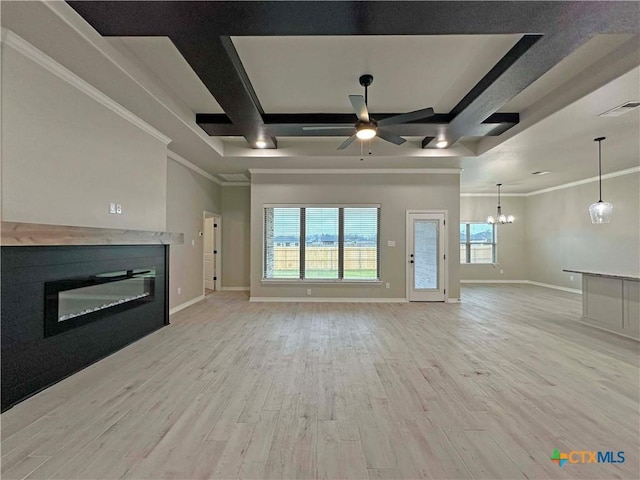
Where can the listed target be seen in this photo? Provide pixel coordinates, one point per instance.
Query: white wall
(560, 233)
(189, 195)
(512, 257)
(65, 156)
(396, 193)
(236, 234)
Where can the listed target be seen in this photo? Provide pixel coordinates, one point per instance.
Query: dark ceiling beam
(519, 49)
(255, 18)
(216, 62)
(526, 69)
(292, 124)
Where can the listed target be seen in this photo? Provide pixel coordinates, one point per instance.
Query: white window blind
(330, 243)
(361, 252)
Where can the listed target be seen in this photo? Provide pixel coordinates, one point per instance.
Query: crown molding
(354, 171)
(493, 195)
(606, 176)
(186, 163)
(32, 53)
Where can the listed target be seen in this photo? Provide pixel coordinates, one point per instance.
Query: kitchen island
(611, 301)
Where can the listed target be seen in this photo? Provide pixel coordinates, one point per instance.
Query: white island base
(611, 302)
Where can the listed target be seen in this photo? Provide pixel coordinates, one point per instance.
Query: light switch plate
(112, 208)
(391, 243)
(119, 209)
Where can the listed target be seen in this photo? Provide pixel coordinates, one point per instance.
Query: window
(477, 243)
(324, 243)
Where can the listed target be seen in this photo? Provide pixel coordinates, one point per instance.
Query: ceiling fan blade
(326, 127)
(391, 137)
(347, 142)
(407, 117)
(360, 107)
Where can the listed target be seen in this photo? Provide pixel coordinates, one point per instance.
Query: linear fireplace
(73, 302)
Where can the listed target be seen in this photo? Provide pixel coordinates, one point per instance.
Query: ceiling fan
(366, 127)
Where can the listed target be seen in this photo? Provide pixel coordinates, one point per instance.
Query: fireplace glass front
(76, 301)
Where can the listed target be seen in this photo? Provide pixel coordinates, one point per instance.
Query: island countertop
(620, 276)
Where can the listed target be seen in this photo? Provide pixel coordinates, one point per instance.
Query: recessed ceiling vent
(544, 172)
(234, 177)
(621, 109)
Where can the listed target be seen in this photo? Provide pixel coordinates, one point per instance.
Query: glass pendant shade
(601, 212)
(500, 217)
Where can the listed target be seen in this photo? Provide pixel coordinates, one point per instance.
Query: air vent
(234, 177)
(621, 109)
(544, 172)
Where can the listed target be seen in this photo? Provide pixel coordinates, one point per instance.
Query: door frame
(445, 242)
(218, 244)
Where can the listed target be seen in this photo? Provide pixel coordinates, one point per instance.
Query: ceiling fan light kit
(600, 211)
(500, 217)
(368, 128)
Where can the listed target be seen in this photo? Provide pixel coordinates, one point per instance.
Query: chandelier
(600, 211)
(500, 217)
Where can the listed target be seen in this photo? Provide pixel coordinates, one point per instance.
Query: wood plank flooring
(232, 389)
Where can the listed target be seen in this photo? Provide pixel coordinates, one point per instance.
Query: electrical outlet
(112, 208)
(388, 285)
(193, 243)
(308, 291)
(118, 209)
(571, 278)
(501, 272)
(179, 291)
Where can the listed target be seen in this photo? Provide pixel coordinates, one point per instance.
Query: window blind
(329, 243)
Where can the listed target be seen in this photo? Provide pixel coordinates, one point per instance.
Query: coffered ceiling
(516, 86)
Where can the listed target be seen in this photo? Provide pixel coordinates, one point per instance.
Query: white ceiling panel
(316, 74)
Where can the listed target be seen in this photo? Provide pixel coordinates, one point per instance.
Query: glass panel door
(425, 232)
(425, 271)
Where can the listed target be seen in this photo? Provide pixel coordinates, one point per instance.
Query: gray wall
(236, 214)
(65, 156)
(396, 193)
(511, 253)
(560, 233)
(189, 195)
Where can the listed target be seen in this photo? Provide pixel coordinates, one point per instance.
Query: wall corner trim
(25, 48)
(186, 163)
(186, 304)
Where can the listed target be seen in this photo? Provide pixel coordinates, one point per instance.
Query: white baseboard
(529, 282)
(494, 281)
(327, 300)
(555, 287)
(184, 305)
(453, 300)
(235, 289)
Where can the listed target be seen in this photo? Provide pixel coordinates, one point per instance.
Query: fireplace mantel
(16, 234)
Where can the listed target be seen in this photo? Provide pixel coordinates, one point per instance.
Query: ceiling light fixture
(600, 211)
(366, 131)
(500, 218)
(261, 144)
(442, 144)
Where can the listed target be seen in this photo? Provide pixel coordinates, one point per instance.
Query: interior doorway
(211, 242)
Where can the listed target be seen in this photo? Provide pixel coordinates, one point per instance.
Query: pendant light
(600, 211)
(500, 218)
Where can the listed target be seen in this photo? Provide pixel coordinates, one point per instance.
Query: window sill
(494, 265)
(293, 281)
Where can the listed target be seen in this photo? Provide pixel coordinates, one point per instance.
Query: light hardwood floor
(232, 389)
